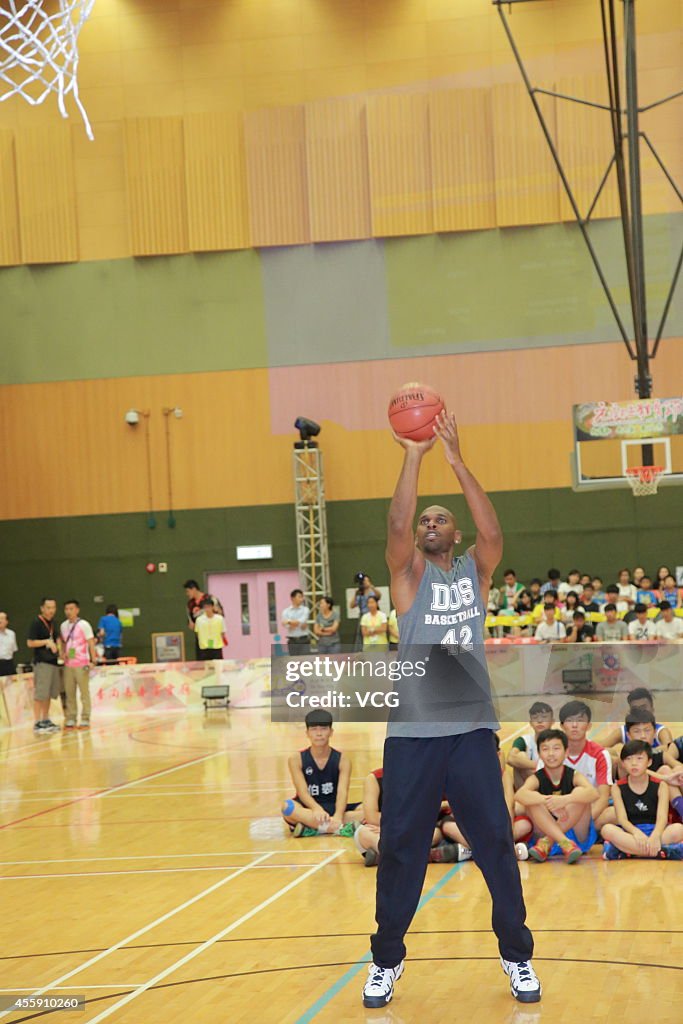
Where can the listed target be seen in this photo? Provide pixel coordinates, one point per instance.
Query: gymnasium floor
(144, 866)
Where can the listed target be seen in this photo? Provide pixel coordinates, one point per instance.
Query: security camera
(132, 417)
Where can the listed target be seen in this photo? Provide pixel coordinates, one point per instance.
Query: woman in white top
(627, 591)
(8, 647)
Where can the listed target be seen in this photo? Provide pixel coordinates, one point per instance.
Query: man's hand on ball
(410, 445)
(446, 430)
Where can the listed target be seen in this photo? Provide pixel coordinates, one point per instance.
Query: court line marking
(148, 871)
(168, 856)
(322, 1001)
(210, 942)
(148, 927)
(99, 793)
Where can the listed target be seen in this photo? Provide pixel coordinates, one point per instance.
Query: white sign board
(250, 551)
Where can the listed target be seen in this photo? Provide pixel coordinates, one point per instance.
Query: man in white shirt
(295, 620)
(641, 628)
(8, 647)
(550, 630)
(668, 627)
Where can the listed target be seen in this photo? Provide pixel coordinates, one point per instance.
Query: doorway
(253, 603)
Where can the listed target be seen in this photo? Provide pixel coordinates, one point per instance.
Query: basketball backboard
(613, 437)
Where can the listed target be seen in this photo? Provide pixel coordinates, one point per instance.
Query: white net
(39, 50)
(644, 479)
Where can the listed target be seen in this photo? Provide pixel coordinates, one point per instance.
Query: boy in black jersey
(321, 777)
(642, 808)
(557, 799)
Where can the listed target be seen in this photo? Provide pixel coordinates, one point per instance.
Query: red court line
(100, 792)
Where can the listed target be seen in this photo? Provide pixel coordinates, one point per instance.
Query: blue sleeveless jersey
(444, 631)
(322, 782)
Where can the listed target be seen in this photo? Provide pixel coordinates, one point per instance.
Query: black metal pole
(644, 380)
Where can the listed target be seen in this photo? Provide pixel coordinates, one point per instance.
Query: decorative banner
(650, 417)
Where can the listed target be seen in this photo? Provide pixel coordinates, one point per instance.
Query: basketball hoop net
(39, 50)
(644, 479)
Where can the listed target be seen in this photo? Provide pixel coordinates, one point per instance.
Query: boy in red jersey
(642, 808)
(589, 758)
(558, 800)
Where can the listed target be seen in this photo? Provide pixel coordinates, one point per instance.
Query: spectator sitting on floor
(615, 736)
(612, 630)
(581, 632)
(558, 800)
(588, 757)
(523, 756)
(641, 806)
(641, 628)
(667, 627)
(321, 778)
(640, 725)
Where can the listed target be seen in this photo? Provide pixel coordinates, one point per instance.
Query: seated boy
(522, 826)
(641, 628)
(640, 725)
(367, 835)
(523, 755)
(642, 807)
(321, 779)
(558, 800)
(616, 735)
(589, 758)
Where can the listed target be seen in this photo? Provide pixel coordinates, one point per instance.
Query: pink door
(253, 603)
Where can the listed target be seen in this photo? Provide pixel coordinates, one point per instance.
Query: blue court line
(342, 982)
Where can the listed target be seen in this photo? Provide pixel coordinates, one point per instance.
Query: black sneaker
(524, 985)
(40, 727)
(379, 988)
(51, 726)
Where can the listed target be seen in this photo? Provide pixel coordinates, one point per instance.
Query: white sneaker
(521, 851)
(524, 985)
(379, 988)
(464, 852)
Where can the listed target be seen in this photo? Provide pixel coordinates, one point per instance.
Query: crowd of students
(565, 792)
(582, 609)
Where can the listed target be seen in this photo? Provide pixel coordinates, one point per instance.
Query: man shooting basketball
(441, 741)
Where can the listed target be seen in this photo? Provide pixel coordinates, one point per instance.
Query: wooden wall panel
(337, 164)
(10, 249)
(218, 214)
(400, 164)
(461, 134)
(46, 194)
(276, 174)
(662, 125)
(584, 141)
(527, 183)
(155, 173)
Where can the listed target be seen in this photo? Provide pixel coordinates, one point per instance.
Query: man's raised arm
(488, 546)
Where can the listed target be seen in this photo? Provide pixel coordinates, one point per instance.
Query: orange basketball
(413, 410)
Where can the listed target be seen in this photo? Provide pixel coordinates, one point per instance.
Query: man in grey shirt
(295, 620)
(613, 629)
(448, 745)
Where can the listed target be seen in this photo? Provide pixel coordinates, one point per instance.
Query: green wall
(88, 555)
(457, 292)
